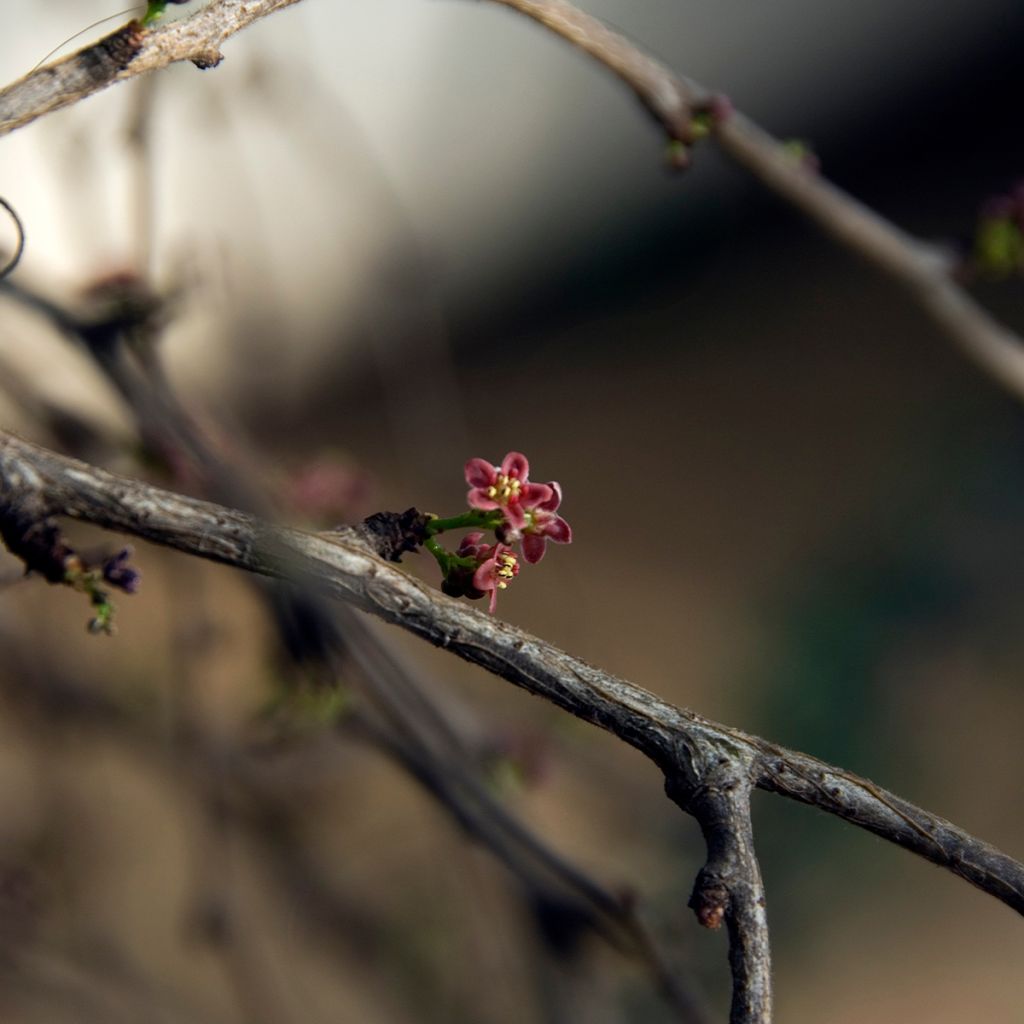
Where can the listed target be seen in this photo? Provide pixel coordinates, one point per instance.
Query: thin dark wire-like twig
(19, 245)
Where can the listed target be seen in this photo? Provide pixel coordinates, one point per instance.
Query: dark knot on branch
(393, 534)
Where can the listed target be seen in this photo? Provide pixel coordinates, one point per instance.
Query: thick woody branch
(131, 50)
(342, 566)
(925, 271)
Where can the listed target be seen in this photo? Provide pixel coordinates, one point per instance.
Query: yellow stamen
(504, 489)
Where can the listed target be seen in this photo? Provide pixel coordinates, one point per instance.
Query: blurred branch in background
(120, 329)
(687, 111)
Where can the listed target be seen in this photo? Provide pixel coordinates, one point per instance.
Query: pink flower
(496, 565)
(505, 487)
(496, 572)
(542, 525)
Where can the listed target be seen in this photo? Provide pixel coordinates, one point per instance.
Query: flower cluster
(503, 501)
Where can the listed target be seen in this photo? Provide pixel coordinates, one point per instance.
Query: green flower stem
(475, 517)
(153, 12)
(88, 582)
(445, 559)
(443, 556)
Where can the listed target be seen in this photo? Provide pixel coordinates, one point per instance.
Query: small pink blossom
(496, 572)
(495, 566)
(543, 524)
(505, 487)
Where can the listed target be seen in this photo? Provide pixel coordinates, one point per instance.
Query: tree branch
(121, 334)
(729, 886)
(924, 270)
(341, 565)
(131, 50)
(670, 99)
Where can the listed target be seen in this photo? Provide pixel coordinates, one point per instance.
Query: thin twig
(924, 270)
(131, 50)
(670, 99)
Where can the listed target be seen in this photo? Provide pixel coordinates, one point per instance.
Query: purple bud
(118, 573)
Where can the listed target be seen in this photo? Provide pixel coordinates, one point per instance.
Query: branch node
(122, 46)
(392, 534)
(207, 59)
(33, 536)
(709, 901)
(715, 786)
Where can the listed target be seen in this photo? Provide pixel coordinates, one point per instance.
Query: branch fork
(715, 788)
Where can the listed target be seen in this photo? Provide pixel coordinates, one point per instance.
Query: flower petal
(484, 578)
(480, 473)
(514, 516)
(558, 530)
(534, 495)
(515, 465)
(470, 546)
(556, 496)
(533, 547)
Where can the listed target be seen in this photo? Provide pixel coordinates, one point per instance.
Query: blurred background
(383, 238)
